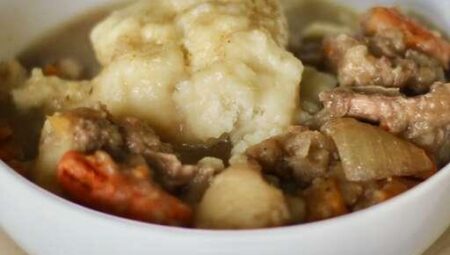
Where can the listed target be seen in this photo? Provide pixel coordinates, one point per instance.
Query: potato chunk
(239, 198)
(56, 140)
(79, 130)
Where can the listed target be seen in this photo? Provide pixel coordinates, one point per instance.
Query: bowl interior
(30, 25)
(33, 18)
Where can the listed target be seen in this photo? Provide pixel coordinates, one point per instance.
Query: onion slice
(370, 153)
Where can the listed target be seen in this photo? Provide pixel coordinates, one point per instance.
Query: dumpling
(198, 70)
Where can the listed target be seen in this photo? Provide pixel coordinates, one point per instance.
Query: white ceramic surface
(44, 224)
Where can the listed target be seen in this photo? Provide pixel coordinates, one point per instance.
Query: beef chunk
(356, 65)
(93, 129)
(392, 51)
(300, 154)
(423, 119)
(89, 130)
(392, 25)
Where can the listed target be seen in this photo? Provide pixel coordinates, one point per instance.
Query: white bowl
(44, 224)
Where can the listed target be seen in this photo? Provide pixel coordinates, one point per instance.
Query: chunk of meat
(207, 170)
(140, 137)
(425, 71)
(173, 174)
(423, 119)
(96, 129)
(381, 21)
(389, 44)
(142, 140)
(100, 183)
(299, 153)
(88, 130)
(356, 65)
(93, 129)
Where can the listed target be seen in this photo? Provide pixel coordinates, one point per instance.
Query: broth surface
(71, 39)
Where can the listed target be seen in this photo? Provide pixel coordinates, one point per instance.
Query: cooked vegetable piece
(55, 142)
(81, 130)
(99, 182)
(324, 200)
(240, 198)
(297, 208)
(314, 83)
(370, 153)
(351, 191)
(322, 29)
